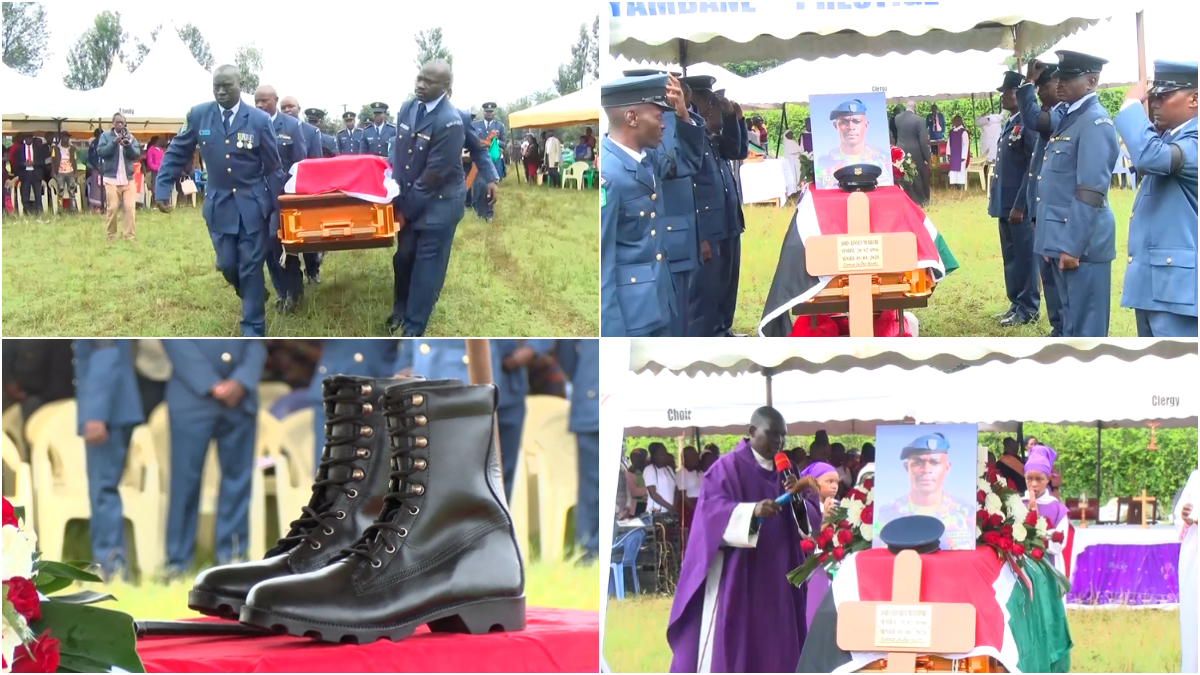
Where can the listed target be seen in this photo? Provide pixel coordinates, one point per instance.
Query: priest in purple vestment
(734, 610)
(816, 501)
(960, 153)
(806, 137)
(1038, 469)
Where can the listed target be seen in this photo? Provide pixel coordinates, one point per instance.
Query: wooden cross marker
(1145, 501)
(860, 254)
(906, 626)
(1153, 426)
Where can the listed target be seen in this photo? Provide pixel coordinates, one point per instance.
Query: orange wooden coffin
(335, 222)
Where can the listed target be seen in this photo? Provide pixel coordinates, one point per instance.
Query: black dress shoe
(1055, 333)
(442, 552)
(1005, 314)
(1018, 319)
(347, 495)
(393, 324)
(409, 334)
(314, 279)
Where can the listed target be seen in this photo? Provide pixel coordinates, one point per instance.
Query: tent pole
(1141, 47)
(973, 116)
(683, 55)
(1097, 474)
(768, 373)
(696, 435)
(782, 128)
(1021, 438)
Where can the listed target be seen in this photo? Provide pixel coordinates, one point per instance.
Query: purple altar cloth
(1106, 574)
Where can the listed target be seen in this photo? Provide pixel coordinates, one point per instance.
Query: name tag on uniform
(206, 132)
(403, 126)
(450, 124)
(423, 136)
(1104, 120)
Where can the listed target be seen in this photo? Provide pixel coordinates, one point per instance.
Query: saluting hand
(1137, 92)
(164, 206)
(675, 97)
(1034, 70)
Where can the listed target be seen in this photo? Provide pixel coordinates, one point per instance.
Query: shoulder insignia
(603, 194)
(1104, 120)
(183, 129)
(454, 122)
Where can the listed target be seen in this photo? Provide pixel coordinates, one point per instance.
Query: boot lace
(319, 512)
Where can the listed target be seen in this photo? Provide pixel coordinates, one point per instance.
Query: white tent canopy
(1166, 38)
(808, 30)
(166, 84)
(36, 97)
(580, 107)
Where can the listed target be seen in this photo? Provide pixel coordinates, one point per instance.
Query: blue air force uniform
(1041, 123)
(483, 129)
(735, 221)
(1160, 274)
(482, 159)
(293, 147)
(315, 146)
(1074, 210)
(445, 359)
(1016, 241)
(349, 141)
(580, 361)
(244, 179)
(427, 163)
(637, 295)
(360, 358)
(196, 418)
(106, 391)
(323, 142)
(376, 140)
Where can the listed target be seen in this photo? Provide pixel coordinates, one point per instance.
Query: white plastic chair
(21, 493)
(269, 392)
(261, 486)
(518, 506)
(294, 470)
(160, 430)
(550, 451)
(14, 428)
(40, 421)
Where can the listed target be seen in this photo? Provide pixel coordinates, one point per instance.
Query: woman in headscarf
(531, 157)
(818, 487)
(1038, 470)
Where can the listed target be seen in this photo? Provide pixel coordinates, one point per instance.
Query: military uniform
(377, 140)
(1076, 172)
(107, 391)
(447, 359)
(483, 129)
(349, 141)
(427, 164)
(1013, 151)
(1160, 273)
(319, 145)
(735, 221)
(326, 146)
(196, 418)
(1040, 127)
(244, 179)
(636, 291)
(835, 159)
(580, 361)
(958, 515)
(284, 271)
(475, 153)
(359, 358)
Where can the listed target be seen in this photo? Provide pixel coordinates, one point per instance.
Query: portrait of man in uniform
(856, 133)
(928, 470)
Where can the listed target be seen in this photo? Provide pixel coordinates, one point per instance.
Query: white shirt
(663, 480)
(554, 151)
(637, 156)
(989, 134)
(690, 482)
(1075, 106)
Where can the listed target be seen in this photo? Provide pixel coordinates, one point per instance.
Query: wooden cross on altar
(860, 254)
(906, 626)
(1145, 501)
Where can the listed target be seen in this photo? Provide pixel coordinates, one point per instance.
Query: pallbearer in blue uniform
(109, 407)
(377, 137)
(427, 164)
(239, 148)
(319, 145)
(1007, 204)
(284, 270)
(580, 361)
(212, 394)
(328, 146)
(488, 126)
(1160, 274)
(1076, 172)
(447, 359)
(484, 129)
(1041, 120)
(360, 358)
(349, 140)
(636, 291)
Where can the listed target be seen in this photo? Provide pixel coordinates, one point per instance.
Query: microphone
(784, 466)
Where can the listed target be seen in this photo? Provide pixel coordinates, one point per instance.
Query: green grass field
(964, 303)
(533, 272)
(1109, 641)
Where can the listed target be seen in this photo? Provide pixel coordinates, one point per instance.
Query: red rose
(982, 516)
(897, 154)
(980, 497)
(1031, 518)
(822, 558)
(1006, 543)
(1018, 549)
(1006, 530)
(839, 553)
(1057, 537)
(995, 519)
(1011, 484)
(10, 517)
(868, 514)
(24, 598)
(1037, 553)
(991, 537)
(991, 473)
(42, 659)
(808, 546)
(1048, 525)
(844, 537)
(869, 484)
(828, 529)
(844, 525)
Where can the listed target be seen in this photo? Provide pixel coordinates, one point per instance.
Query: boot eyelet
(421, 420)
(365, 389)
(328, 531)
(363, 453)
(367, 432)
(420, 464)
(414, 511)
(376, 564)
(367, 408)
(418, 399)
(403, 533)
(389, 548)
(357, 474)
(316, 545)
(421, 441)
(353, 493)
(341, 515)
(419, 489)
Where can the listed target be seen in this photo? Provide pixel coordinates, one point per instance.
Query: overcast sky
(327, 58)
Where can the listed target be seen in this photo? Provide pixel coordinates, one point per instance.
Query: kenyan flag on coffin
(1024, 633)
(824, 212)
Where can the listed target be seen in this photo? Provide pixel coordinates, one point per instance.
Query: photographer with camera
(118, 151)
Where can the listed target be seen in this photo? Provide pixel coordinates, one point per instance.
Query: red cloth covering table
(554, 640)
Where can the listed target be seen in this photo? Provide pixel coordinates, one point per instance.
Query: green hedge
(1126, 465)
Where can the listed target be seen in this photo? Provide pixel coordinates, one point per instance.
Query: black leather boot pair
(407, 524)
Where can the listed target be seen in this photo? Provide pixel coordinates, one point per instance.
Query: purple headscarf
(1041, 458)
(817, 469)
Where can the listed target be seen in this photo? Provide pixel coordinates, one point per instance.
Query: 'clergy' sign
(903, 625)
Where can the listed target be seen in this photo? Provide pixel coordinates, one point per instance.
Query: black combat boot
(442, 553)
(347, 495)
